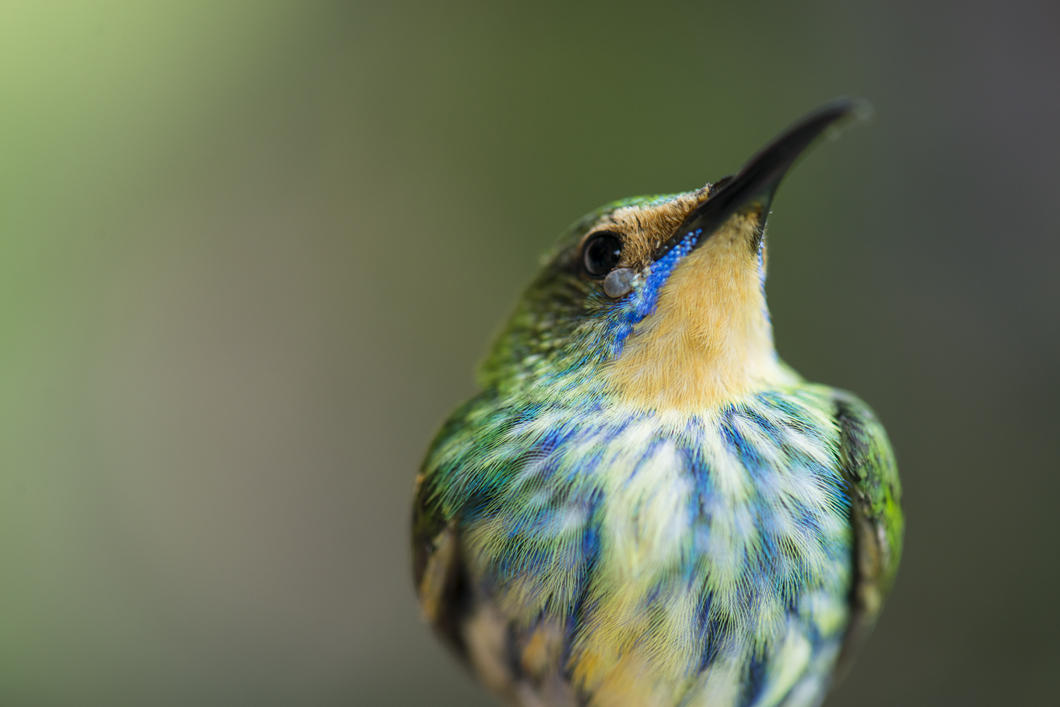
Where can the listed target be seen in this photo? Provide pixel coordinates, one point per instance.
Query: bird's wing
(437, 569)
(523, 667)
(870, 469)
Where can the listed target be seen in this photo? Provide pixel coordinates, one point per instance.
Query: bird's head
(659, 301)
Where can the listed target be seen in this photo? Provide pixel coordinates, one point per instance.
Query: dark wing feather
(870, 469)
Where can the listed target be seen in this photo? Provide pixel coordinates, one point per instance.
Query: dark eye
(601, 253)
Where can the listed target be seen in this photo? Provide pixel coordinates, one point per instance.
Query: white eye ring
(618, 282)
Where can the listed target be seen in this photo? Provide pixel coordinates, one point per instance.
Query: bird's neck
(708, 342)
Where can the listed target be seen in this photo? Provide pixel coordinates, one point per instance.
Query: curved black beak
(752, 189)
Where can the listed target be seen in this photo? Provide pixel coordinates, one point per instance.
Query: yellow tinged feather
(485, 635)
(788, 664)
(432, 585)
(720, 685)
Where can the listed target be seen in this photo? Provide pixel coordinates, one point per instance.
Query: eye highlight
(601, 253)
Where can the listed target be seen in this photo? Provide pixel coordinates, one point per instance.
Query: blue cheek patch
(642, 301)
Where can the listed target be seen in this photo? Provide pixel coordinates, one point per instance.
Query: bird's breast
(659, 558)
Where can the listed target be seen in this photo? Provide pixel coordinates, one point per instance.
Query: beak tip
(862, 109)
(844, 111)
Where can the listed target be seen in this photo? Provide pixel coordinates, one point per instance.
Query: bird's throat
(709, 340)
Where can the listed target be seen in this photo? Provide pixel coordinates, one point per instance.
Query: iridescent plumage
(644, 506)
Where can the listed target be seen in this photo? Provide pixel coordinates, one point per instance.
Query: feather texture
(644, 506)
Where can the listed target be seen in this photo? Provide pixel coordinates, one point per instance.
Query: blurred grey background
(251, 251)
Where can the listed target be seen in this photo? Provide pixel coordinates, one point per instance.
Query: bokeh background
(250, 252)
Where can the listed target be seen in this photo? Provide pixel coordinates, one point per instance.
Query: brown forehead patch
(645, 228)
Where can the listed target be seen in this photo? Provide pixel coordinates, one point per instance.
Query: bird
(643, 504)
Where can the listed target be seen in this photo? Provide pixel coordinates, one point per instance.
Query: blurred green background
(250, 252)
